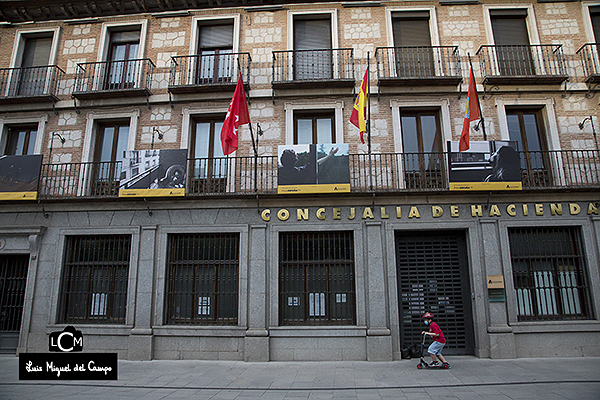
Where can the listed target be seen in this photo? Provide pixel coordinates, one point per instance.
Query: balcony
(208, 72)
(418, 65)
(113, 79)
(313, 68)
(522, 64)
(590, 60)
(381, 173)
(31, 84)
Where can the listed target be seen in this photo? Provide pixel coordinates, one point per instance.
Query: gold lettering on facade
(368, 213)
(266, 215)
(476, 211)
(337, 213)
(321, 214)
(574, 208)
(592, 209)
(437, 211)
(283, 214)
(510, 210)
(352, 213)
(302, 214)
(539, 209)
(555, 209)
(398, 212)
(414, 212)
(454, 211)
(384, 214)
(495, 211)
(525, 210)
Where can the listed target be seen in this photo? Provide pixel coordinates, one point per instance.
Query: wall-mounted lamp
(160, 136)
(581, 125)
(62, 140)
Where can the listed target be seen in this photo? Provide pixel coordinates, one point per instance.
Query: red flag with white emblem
(237, 115)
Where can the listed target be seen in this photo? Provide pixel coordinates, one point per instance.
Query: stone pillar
(379, 339)
(256, 344)
(35, 239)
(140, 340)
(502, 340)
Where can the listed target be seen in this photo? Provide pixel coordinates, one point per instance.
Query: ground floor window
(94, 282)
(549, 273)
(202, 279)
(316, 279)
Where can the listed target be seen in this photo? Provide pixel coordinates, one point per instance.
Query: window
(202, 279)
(111, 144)
(316, 280)
(595, 17)
(526, 128)
(21, 141)
(314, 127)
(209, 164)
(312, 47)
(123, 64)
(215, 48)
(412, 41)
(94, 281)
(549, 273)
(13, 278)
(511, 38)
(422, 147)
(30, 79)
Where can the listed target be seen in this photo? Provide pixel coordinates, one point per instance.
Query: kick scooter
(423, 364)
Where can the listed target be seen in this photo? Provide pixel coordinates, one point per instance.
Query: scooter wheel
(420, 366)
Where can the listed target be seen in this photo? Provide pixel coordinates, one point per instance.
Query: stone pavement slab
(469, 378)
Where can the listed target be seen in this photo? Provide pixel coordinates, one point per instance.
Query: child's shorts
(436, 348)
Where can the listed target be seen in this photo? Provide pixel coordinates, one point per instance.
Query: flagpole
(478, 103)
(368, 122)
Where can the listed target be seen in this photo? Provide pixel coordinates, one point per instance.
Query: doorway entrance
(433, 275)
(13, 277)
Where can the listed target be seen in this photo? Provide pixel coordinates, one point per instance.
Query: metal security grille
(95, 275)
(433, 276)
(202, 279)
(316, 281)
(549, 273)
(13, 276)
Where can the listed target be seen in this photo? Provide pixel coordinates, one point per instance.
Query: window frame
(577, 238)
(211, 298)
(314, 115)
(587, 20)
(329, 295)
(62, 315)
(21, 37)
(10, 138)
(7, 123)
(338, 123)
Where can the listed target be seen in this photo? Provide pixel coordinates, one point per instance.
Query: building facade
(232, 269)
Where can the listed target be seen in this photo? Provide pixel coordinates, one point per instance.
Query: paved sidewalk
(469, 378)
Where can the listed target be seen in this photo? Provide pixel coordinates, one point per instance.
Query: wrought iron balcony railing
(389, 172)
(327, 67)
(590, 60)
(30, 83)
(418, 65)
(209, 71)
(522, 64)
(113, 78)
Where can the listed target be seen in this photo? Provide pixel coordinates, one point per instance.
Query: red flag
(237, 114)
(471, 113)
(358, 116)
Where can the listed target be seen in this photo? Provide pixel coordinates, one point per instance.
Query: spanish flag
(358, 116)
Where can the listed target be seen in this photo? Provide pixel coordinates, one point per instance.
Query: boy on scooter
(435, 349)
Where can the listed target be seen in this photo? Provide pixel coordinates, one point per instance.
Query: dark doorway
(13, 277)
(433, 275)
